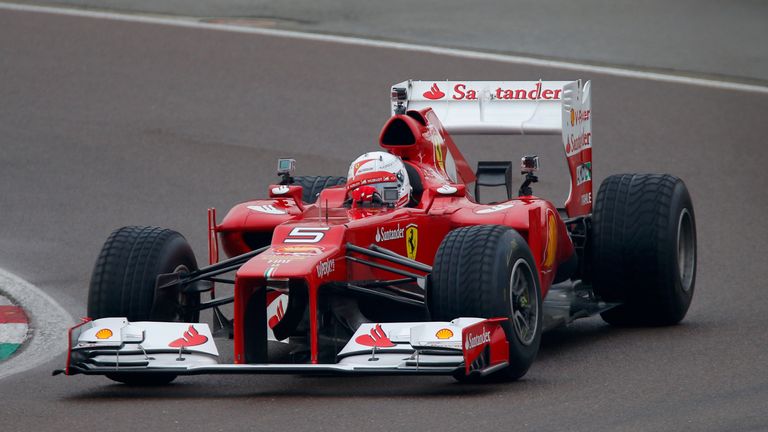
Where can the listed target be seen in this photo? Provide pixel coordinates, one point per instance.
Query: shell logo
(444, 334)
(104, 334)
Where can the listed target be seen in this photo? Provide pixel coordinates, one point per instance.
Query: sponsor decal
(583, 173)
(461, 92)
(375, 178)
(433, 174)
(438, 143)
(268, 209)
(383, 234)
(190, 338)
(377, 338)
(439, 157)
(104, 334)
(325, 268)
(357, 165)
(574, 144)
(551, 246)
(444, 333)
(586, 199)
(391, 163)
(297, 250)
(494, 209)
(446, 190)
(412, 240)
(434, 93)
(274, 319)
(579, 116)
(474, 341)
(280, 190)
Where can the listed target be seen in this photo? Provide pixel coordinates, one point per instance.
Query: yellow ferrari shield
(412, 240)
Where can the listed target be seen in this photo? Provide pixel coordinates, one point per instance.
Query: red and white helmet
(379, 172)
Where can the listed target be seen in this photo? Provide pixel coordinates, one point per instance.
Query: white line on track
(47, 320)
(502, 58)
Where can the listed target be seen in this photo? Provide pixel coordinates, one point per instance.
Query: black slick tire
(473, 276)
(644, 249)
(313, 185)
(124, 280)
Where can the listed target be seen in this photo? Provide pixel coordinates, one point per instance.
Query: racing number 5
(306, 234)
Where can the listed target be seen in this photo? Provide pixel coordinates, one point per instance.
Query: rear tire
(313, 185)
(644, 248)
(488, 271)
(124, 281)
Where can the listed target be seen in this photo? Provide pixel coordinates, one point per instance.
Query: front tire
(644, 248)
(124, 280)
(488, 271)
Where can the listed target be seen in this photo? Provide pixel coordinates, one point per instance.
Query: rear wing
(514, 108)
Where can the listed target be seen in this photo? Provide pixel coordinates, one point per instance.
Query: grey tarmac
(706, 38)
(105, 123)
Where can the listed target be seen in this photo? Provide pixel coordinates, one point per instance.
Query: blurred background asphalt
(715, 39)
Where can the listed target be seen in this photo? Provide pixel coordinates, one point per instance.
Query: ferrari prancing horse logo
(411, 240)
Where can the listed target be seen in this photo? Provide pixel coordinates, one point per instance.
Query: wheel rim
(525, 302)
(686, 250)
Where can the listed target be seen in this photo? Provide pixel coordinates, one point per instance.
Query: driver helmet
(373, 173)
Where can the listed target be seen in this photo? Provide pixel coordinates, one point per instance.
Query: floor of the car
(569, 300)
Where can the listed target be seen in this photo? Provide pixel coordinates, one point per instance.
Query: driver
(377, 178)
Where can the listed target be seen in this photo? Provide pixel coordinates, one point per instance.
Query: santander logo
(434, 93)
(530, 91)
(190, 338)
(377, 338)
(474, 341)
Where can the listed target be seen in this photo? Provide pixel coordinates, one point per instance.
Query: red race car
(399, 268)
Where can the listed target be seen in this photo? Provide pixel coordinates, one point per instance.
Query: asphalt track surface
(691, 37)
(104, 124)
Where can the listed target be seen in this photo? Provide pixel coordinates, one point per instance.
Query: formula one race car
(399, 268)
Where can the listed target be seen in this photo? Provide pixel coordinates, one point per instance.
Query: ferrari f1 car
(444, 285)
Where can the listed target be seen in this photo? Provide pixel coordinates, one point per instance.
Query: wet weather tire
(488, 271)
(644, 248)
(124, 280)
(313, 185)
